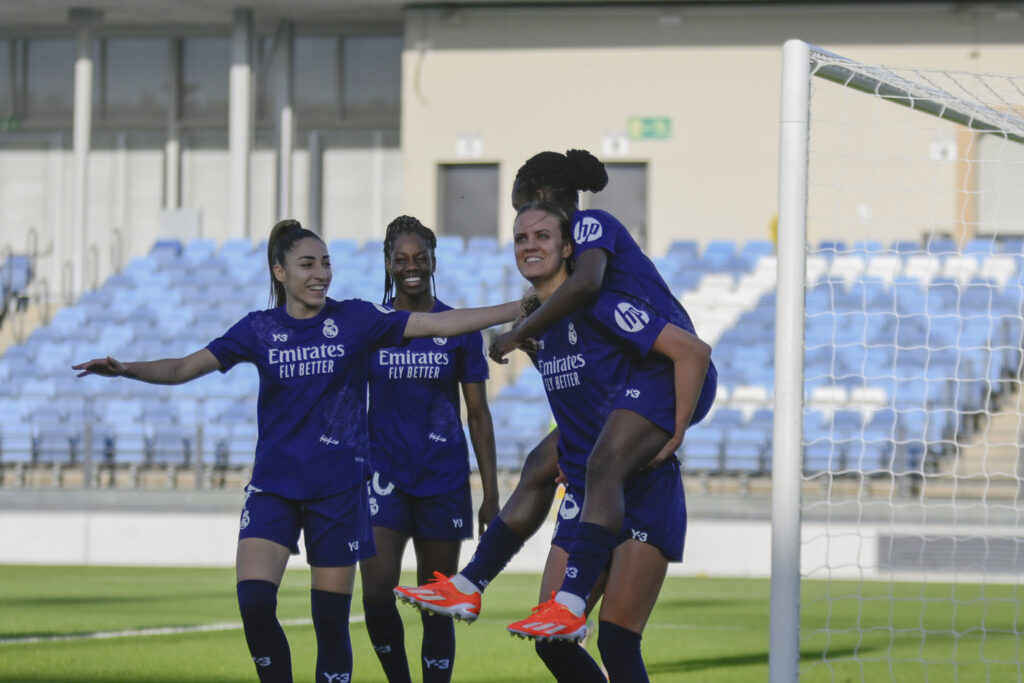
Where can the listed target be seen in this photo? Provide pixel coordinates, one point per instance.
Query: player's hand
(561, 478)
(104, 367)
(488, 511)
(666, 451)
(502, 345)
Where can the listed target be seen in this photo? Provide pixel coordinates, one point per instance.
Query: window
(316, 78)
(373, 76)
(468, 199)
(50, 77)
(205, 63)
(135, 80)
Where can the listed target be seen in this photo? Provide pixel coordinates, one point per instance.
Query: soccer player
(420, 460)
(617, 356)
(312, 354)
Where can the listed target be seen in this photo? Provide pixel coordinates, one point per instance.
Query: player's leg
(567, 660)
(627, 443)
(379, 574)
(521, 516)
(437, 654)
(338, 535)
(634, 581)
(267, 536)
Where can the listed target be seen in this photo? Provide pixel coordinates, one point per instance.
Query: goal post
(897, 521)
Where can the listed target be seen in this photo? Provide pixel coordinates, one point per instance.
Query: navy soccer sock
(257, 602)
(497, 546)
(620, 652)
(589, 549)
(387, 635)
(569, 662)
(438, 648)
(333, 647)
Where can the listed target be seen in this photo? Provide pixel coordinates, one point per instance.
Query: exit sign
(650, 127)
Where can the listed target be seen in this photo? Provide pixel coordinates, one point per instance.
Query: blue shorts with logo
(336, 529)
(650, 392)
(655, 512)
(444, 517)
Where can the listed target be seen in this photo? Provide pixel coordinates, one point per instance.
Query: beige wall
(528, 79)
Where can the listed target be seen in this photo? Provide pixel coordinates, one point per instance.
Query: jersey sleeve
(384, 326)
(629, 321)
(234, 346)
(473, 359)
(595, 228)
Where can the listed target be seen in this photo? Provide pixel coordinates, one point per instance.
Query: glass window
(373, 76)
(205, 64)
(136, 79)
(6, 100)
(316, 78)
(50, 79)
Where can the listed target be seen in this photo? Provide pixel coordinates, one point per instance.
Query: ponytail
(563, 175)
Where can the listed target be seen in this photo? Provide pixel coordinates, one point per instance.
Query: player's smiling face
(411, 265)
(541, 251)
(306, 276)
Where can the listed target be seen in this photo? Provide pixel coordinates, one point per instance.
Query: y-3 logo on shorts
(337, 678)
(639, 535)
(633, 393)
(457, 522)
(353, 545)
(572, 572)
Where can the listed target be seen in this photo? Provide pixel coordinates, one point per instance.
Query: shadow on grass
(92, 600)
(749, 659)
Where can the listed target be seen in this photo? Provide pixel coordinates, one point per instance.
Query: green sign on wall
(650, 127)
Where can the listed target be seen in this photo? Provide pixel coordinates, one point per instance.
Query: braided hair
(563, 175)
(283, 237)
(406, 225)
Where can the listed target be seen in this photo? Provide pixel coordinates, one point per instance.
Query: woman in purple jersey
(653, 497)
(312, 449)
(420, 486)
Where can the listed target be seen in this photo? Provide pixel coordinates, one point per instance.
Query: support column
(240, 122)
(172, 148)
(286, 121)
(81, 143)
(316, 176)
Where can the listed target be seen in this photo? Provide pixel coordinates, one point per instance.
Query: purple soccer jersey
(629, 270)
(311, 411)
(416, 435)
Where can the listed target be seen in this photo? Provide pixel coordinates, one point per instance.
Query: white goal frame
(801, 61)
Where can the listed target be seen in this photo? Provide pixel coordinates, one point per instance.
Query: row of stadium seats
(916, 356)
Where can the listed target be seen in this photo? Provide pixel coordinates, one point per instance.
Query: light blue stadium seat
(702, 449)
(17, 441)
(747, 449)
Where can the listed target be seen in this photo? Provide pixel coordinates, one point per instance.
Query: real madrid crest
(330, 329)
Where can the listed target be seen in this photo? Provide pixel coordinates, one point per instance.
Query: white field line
(161, 631)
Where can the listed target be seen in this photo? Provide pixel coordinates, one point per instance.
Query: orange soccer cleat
(550, 620)
(440, 596)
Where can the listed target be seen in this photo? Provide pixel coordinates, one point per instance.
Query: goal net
(897, 489)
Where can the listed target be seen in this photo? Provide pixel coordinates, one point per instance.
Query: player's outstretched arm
(690, 358)
(460, 320)
(164, 371)
(481, 433)
(576, 292)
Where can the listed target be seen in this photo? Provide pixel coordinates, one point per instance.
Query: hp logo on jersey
(630, 318)
(587, 230)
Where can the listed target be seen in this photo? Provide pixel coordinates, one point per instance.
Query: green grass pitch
(702, 630)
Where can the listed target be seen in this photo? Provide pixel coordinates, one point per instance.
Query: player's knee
(257, 599)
